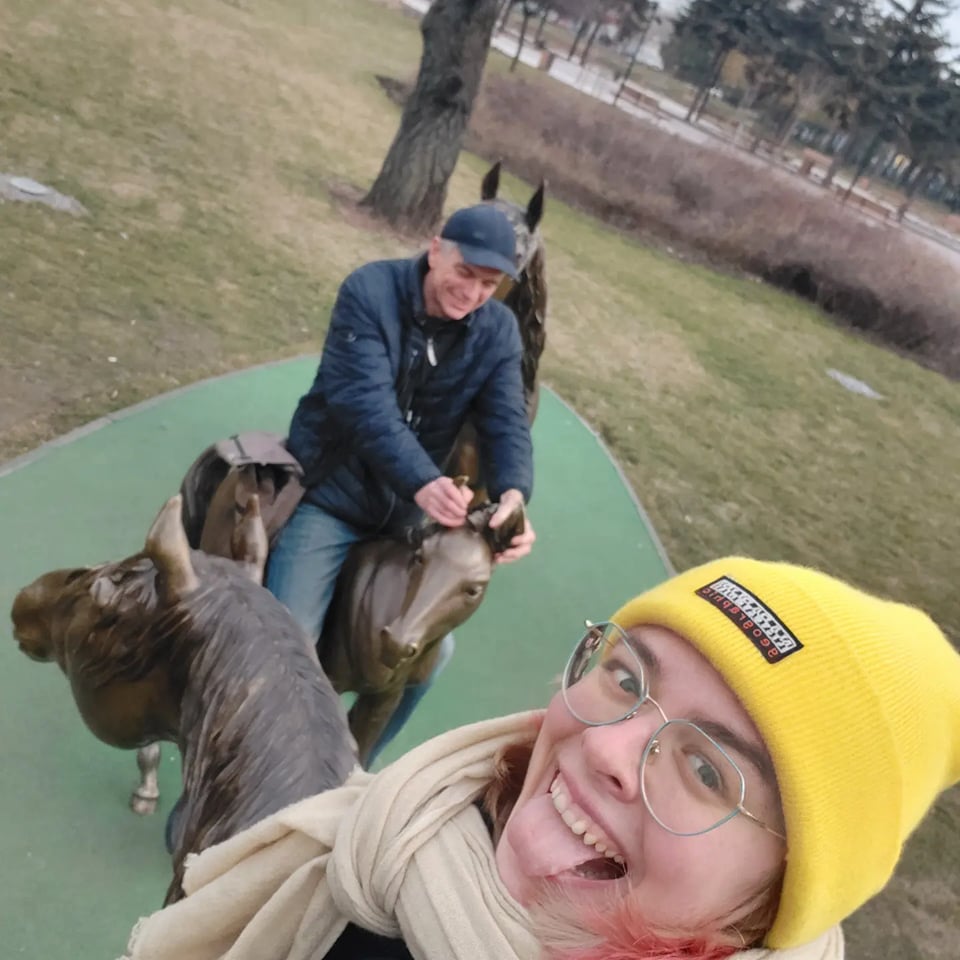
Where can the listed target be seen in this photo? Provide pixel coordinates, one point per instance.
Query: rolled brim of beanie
(792, 643)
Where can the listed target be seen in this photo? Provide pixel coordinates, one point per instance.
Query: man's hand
(442, 500)
(522, 543)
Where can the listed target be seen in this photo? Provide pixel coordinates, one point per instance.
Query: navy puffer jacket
(381, 419)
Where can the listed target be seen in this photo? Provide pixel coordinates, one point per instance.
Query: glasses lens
(604, 679)
(689, 783)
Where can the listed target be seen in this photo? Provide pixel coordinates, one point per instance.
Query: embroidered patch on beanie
(758, 623)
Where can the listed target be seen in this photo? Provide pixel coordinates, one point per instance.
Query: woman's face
(581, 822)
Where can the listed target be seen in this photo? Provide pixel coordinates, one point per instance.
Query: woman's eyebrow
(730, 738)
(649, 660)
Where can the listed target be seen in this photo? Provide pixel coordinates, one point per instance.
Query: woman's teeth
(580, 824)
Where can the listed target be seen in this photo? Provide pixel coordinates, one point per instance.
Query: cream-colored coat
(404, 853)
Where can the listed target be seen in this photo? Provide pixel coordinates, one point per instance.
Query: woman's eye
(706, 773)
(624, 678)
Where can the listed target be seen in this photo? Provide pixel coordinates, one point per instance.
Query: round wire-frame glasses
(625, 690)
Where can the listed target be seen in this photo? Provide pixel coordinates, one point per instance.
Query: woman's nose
(613, 752)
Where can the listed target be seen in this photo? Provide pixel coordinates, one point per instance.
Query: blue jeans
(303, 569)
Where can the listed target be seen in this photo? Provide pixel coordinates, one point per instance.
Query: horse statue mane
(526, 296)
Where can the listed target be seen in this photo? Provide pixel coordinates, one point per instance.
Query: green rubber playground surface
(77, 868)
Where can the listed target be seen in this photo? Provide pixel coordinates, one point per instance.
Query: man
(414, 347)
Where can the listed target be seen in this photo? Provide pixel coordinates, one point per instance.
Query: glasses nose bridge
(648, 700)
(650, 715)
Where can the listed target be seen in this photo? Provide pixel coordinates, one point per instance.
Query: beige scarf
(403, 853)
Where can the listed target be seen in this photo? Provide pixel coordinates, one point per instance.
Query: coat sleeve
(361, 393)
(501, 420)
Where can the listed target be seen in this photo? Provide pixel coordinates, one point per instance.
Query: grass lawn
(210, 141)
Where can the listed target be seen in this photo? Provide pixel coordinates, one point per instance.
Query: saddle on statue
(218, 484)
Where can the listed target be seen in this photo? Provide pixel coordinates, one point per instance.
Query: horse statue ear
(490, 183)
(414, 537)
(479, 517)
(535, 207)
(515, 524)
(248, 540)
(167, 547)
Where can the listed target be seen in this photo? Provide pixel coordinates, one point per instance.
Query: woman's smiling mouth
(610, 864)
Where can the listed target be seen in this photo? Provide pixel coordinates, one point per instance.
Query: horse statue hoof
(142, 804)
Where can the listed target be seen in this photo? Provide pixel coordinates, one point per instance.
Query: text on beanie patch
(762, 627)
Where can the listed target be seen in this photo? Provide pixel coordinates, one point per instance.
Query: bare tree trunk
(864, 163)
(589, 46)
(504, 13)
(581, 30)
(839, 159)
(703, 94)
(746, 104)
(520, 39)
(789, 128)
(912, 190)
(538, 39)
(625, 79)
(411, 187)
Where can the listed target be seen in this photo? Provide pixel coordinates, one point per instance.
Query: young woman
(730, 768)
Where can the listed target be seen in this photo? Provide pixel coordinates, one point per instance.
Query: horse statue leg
(144, 798)
(369, 716)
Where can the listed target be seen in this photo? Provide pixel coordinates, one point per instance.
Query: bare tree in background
(411, 187)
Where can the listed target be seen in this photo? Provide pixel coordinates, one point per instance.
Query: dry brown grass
(876, 278)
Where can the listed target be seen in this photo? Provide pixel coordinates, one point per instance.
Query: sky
(953, 27)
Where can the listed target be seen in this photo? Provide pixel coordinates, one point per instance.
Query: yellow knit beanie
(858, 700)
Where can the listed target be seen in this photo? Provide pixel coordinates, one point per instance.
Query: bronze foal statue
(172, 644)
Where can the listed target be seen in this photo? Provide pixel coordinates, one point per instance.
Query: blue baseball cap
(485, 238)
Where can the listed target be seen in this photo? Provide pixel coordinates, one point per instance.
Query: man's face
(452, 288)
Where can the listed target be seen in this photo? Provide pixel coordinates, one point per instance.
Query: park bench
(640, 98)
(865, 202)
(810, 159)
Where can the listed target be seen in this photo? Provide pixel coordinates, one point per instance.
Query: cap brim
(479, 257)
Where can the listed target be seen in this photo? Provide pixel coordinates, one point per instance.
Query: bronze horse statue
(393, 604)
(394, 600)
(527, 298)
(173, 644)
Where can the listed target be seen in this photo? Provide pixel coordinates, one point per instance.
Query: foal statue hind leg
(249, 547)
(145, 795)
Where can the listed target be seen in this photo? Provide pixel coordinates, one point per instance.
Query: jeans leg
(173, 822)
(305, 563)
(413, 693)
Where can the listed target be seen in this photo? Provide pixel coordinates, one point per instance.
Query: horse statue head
(524, 220)
(395, 601)
(526, 296)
